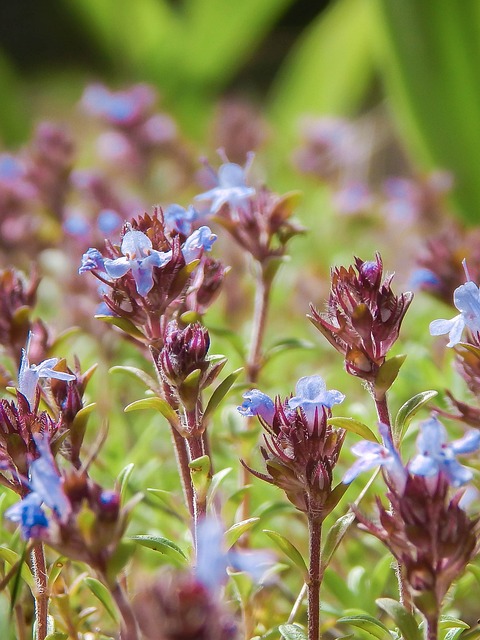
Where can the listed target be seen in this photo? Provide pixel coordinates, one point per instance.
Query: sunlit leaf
(235, 531)
(292, 632)
(220, 392)
(288, 549)
(355, 426)
(164, 546)
(368, 624)
(407, 412)
(404, 620)
(147, 380)
(334, 536)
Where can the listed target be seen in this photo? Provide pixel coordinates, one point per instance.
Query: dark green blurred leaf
(404, 620)
(105, 597)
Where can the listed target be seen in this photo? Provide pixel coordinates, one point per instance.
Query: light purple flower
(373, 454)
(30, 374)
(201, 240)
(92, 259)
(213, 559)
(231, 187)
(436, 455)
(138, 257)
(312, 395)
(467, 300)
(179, 219)
(109, 221)
(257, 403)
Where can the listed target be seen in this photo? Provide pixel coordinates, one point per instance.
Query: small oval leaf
(369, 624)
(220, 392)
(292, 632)
(163, 545)
(103, 594)
(408, 410)
(288, 549)
(355, 426)
(235, 531)
(125, 325)
(404, 620)
(139, 374)
(158, 404)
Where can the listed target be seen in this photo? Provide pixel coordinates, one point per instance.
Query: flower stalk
(39, 570)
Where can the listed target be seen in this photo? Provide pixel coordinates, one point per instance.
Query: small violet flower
(467, 300)
(201, 240)
(139, 257)
(30, 374)
(213, 559)
(257, 403)
(179, 219)
(231, 187)
(436, 455)
(47, 488)
(373, 454)
(312, 395)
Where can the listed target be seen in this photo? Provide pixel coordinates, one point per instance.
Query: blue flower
(92, 259)
(213, 559)
(109, 221)
(118, 107)
(467, 300)
(30, 374)
(179, 219)
(423, 278)
(201, 240)
(231, 188)
(138, 257)
(436, 455)
(257, 403)
(312, 395)
(373, 454)
(47, 488)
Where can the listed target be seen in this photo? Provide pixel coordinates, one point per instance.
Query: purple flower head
(312, 395)
(92, 259)
(213, 559)
(30, 374)
(257, 403)
(201, 240)
(138, 257)
(373, 454)
(231, 187)
(179, 219)
(436, 455)
(467, 300)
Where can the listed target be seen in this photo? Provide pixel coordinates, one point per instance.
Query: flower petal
(117, 268)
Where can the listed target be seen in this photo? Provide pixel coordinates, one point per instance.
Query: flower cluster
(363, 317)
(301, 448)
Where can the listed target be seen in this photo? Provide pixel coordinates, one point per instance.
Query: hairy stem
(41, 590)
(181, 455)
(129, 628)
(314, 577)
(384, 414)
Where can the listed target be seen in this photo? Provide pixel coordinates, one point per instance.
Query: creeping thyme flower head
(150, 273)
(430, 535)
(301, 449)
(467, 300)
(363, 316)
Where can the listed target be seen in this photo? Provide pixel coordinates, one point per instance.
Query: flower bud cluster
(363, 316)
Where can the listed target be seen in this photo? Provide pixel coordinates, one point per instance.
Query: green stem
(129, 630)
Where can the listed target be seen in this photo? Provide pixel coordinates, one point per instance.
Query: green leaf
(57, 635)
(349, 424)
(15, 559)
(407, 411)
(292, 632)
(200, 475)
(236, 530)
(125, 325)
(159, 405)
(286, 344)
(220, 392)
(164, 546)
(450, 622)
(139, 374)
(123, 478)
(334, 537)
(387, 374)
(369, 624)
(103, 594)
(289, 550)
(404, 620)
(217, 479)
(56, 569)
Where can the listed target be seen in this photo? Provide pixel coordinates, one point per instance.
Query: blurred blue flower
(231, 188)
(312, 395)
(77, 225)
(436, 455)
(257, 403)
(467, 300)
(201, 240)
(109, 221)
(179, 219)
(10, 167)
(373, 454)
(423, 278)
(30, 374)
(92, 259)
(47, 488)
(213, 559)
(138, 257)
(121, 108)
